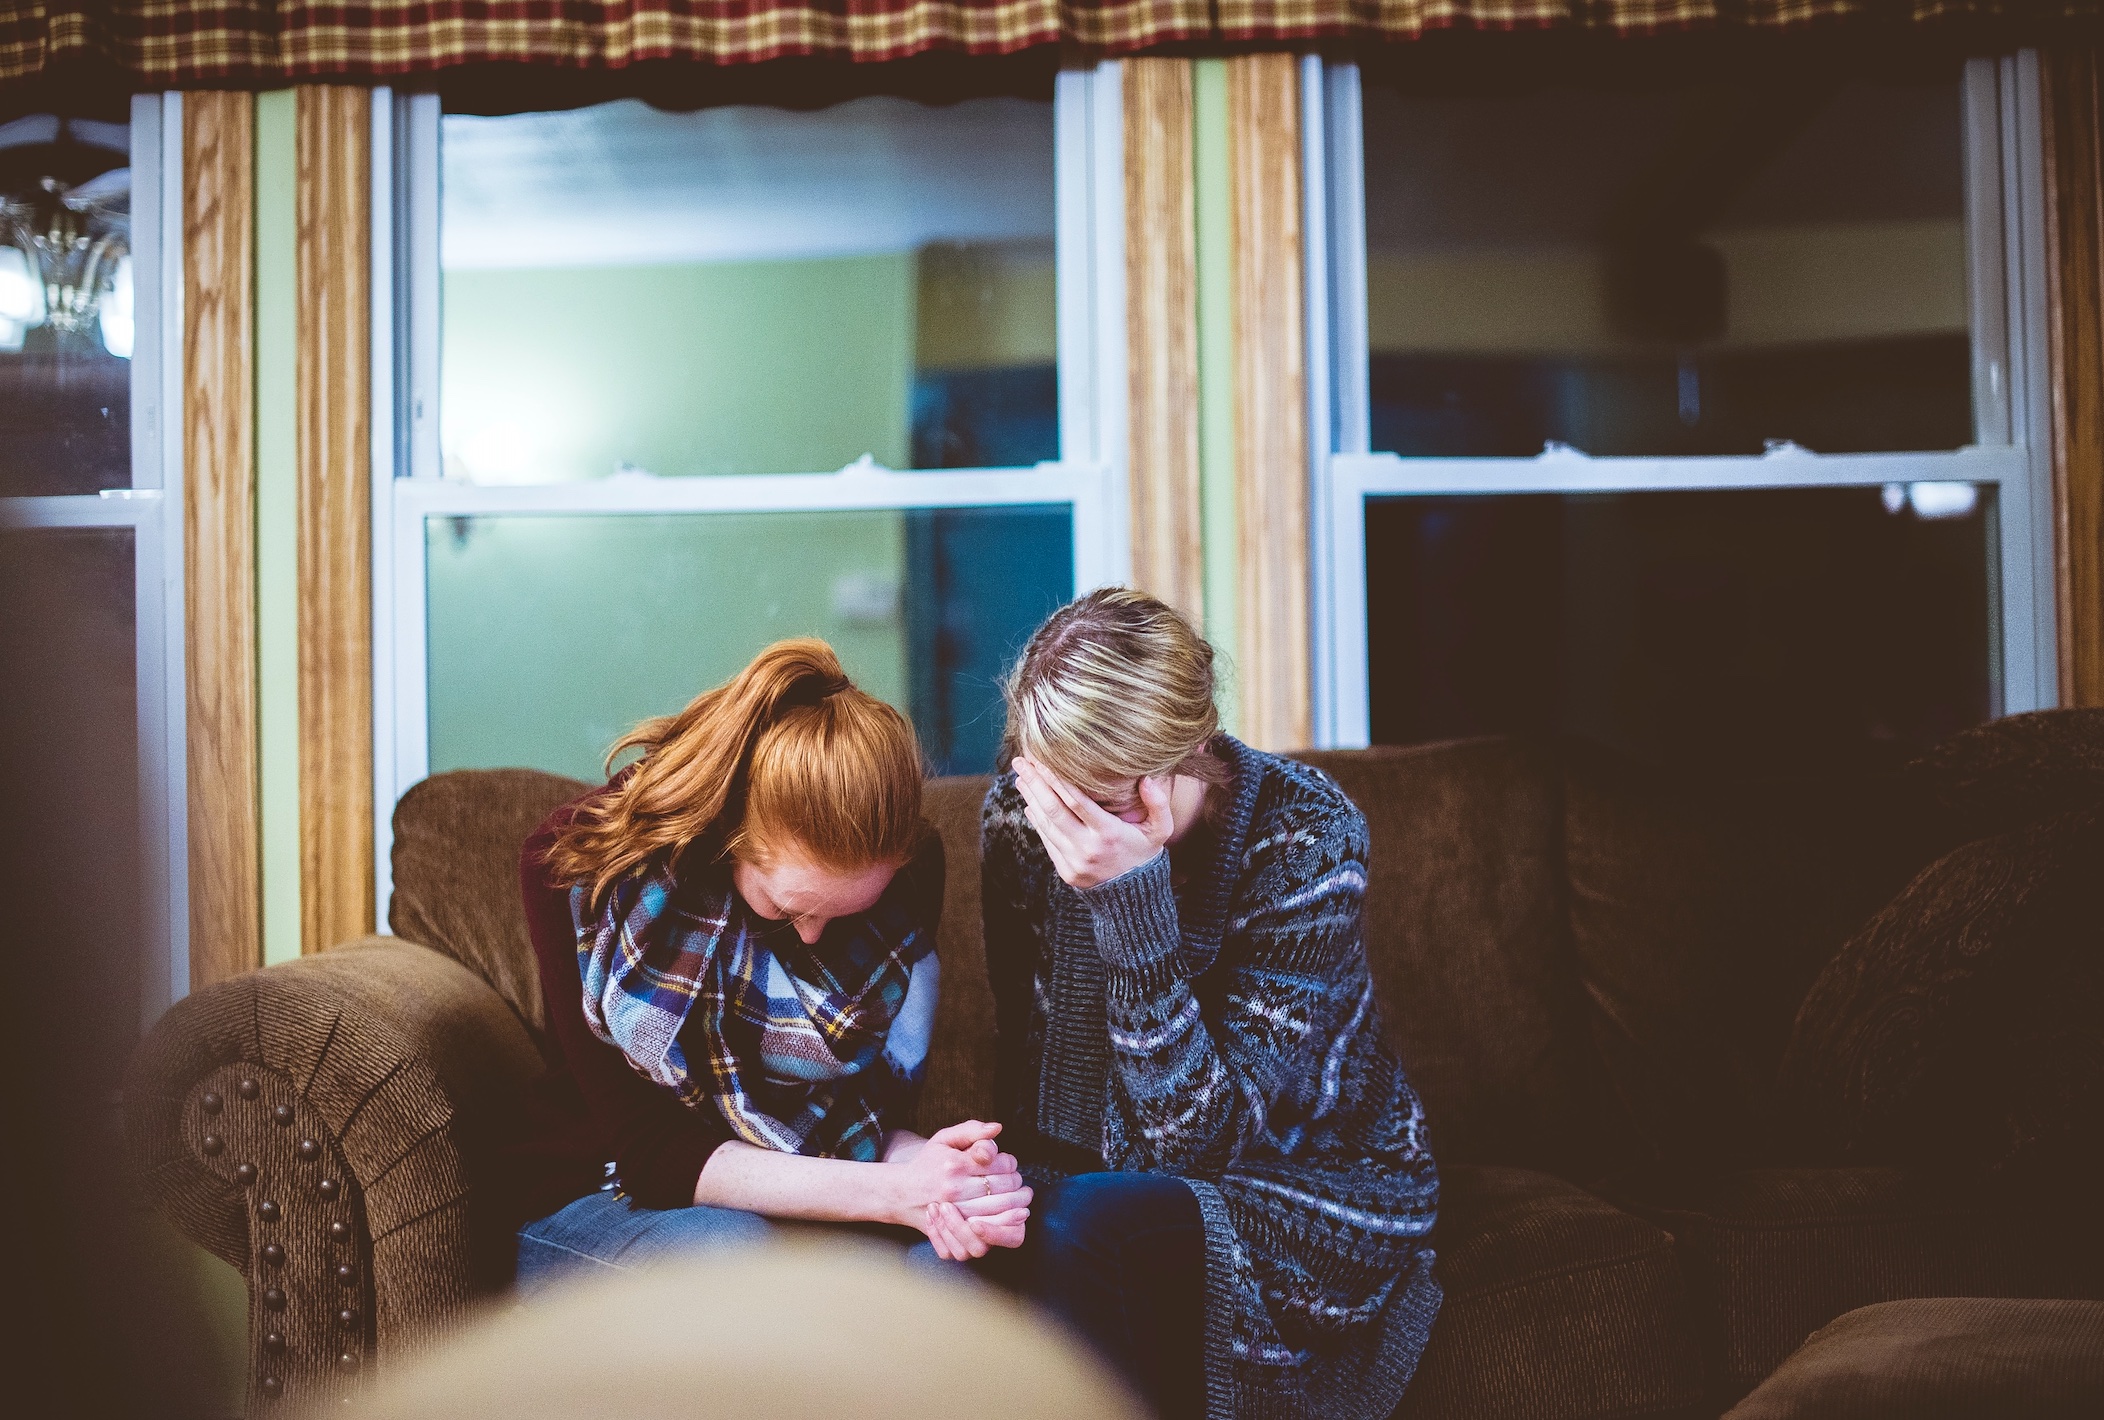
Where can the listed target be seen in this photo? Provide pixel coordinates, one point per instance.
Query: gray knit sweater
(1225, 1030)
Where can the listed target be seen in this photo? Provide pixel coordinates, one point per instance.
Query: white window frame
(409, 487)
(151, 505)
(2006, 256)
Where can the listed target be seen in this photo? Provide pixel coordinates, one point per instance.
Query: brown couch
(1590, 971)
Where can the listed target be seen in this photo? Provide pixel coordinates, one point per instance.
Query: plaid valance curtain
(174, 43)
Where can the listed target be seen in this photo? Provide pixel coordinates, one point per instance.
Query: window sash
(408, 489)
(2006, 256)
(151, 506)
(2019, 682)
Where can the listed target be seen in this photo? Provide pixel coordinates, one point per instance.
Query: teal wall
(728, 367)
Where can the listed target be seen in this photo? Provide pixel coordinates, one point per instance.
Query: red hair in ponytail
(787, 756)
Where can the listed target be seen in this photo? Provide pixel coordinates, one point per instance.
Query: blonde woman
(1234, 1186)
(736, 943)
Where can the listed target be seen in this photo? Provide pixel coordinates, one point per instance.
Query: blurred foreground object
(803, 1328)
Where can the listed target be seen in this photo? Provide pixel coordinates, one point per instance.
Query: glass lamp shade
(71, 239)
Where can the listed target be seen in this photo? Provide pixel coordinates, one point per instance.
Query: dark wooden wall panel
(2075, 234)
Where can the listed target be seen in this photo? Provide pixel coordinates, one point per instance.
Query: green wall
(729, 367)
(552, 636)
(277, 522)
(549, 637)
(1213, 204)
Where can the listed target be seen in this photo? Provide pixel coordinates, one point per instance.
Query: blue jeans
(604, 1230)
(1120, 1258)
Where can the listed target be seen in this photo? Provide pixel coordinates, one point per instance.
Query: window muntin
(748, 290)
(1690, 270)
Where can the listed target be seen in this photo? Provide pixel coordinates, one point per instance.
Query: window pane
(1784, 623)
(69, 780)
(925, 608)
(748, 290)
(65, 306)
(1675, 271)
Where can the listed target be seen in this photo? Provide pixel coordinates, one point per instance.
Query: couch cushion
(1941, 1358)
(1976, 995)
(1701, 908)
(1557, 1305)
(960, 1079)
(456, 873)
(1465, 932)
(1773, 1254)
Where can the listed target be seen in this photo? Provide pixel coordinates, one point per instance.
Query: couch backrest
(1580, 964)
(1464, 929)
(960, 1078)
(457, 837)
(1466, 935)
(1703, 903)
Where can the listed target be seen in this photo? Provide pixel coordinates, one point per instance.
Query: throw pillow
(1963, 1026)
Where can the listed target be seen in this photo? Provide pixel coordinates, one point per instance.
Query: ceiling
(623, 183)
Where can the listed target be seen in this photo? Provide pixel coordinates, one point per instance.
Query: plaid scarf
(803, 1050)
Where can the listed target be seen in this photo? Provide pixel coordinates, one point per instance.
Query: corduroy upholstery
(1589, 971)
(1944, 1358)
(1465, 930)
(1557, 1304)
(960, 1079)
(1701, 909)
(456, 873)
(1976, 994)
(1771, 1255)
(399, 1065)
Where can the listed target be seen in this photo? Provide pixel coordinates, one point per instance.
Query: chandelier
(71, 236)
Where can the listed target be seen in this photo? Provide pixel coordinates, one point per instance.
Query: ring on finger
(989, 1178)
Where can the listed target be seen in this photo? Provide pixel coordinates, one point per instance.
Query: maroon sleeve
(658, 1144)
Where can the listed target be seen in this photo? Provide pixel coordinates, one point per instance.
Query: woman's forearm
(1187, 1108)
(756, 1180)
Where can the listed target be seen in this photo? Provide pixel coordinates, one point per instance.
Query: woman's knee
(694, 1229)
(604, 1231)
(1098, 1215)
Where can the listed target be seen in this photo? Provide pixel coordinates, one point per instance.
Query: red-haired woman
(735, 939)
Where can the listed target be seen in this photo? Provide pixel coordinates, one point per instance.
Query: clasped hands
(958, 1188)
(1088, 843)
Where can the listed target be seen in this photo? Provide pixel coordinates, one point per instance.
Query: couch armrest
(1773, 1254)
(322, 1125)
